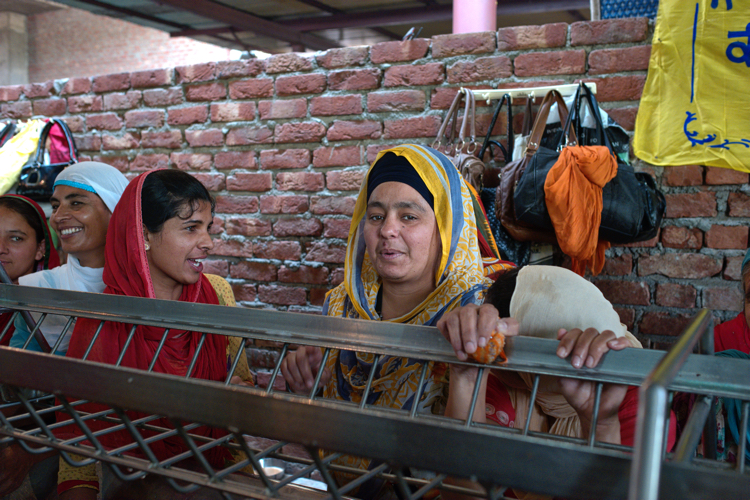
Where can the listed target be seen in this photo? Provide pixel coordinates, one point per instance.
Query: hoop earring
(148, 247)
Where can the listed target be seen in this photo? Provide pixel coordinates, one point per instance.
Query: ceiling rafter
(333, 10)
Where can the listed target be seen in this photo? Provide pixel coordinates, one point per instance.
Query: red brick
(701, 204)
(246, 226)
(209, 137)
(16, 110)
(206, 92)
(410, 50)
(144, 118)
(320, 251)
(618, 266)
(727, 237)
(149, 162)
(196, 73)
(299, 181)
(337, 276)
(287, 63)
(404, 100)
(212, 181)
(422, 126)
(271, 159)
(332, 205)
(35, 90)
(346, 130)
(84, 103)
(564, 62)
(243, 67)
(618, 60)
(151, 78)
(463, 43)
(293, 204)
(724, 299)
(679, 265)
(241, 181)
(282, 295)
(278, 250)
(118, 100)
(626, 30)
(336, 105)
(718, 176)
(10, 92)
(119, 162)
(163, 97)
(618, 88)
(287, 108)
(681, 237)
(483, 68)
(217, 227)
(442, 97)
(532, 37)
(50, 107)
(634, 293)
(233, 111)
(660, 323)
(256, 271)
(318, 296)
(625, 117)
(675, 295)
(299, 132)
(374, 150)
(297, 227)
(641, 244)
(171, 139)
(249, 135)
(687, 175)
(232, 248)
(235, 159)
(345, 180)
(76, 86)
(89, 142)
(336, 228)
(236, 204)
(108, 83)
(340, 58)
(414, 75)
(217, 267)
(738, 204)
(314, 83)
(251, 89)
(75, 123)
(191, 161)
(127, 140)
(304, 274)
(733, 268)
(627, 317)
(339, 156)
(246, 293)
(356, 79)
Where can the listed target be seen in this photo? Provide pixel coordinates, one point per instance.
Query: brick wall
(284, 144)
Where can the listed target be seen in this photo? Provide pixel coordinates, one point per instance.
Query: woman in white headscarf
(84, 196)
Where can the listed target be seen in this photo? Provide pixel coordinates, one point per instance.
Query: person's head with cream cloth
(84, 196)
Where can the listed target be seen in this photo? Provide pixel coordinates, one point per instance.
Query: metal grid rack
(399, 441)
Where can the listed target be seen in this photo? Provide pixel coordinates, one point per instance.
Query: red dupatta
(126, 272)
(732, 334)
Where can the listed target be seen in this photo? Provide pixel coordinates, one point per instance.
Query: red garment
(733, 334)
(51, 260)
(126, 272)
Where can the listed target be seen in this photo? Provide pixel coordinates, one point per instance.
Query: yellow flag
(695, 107)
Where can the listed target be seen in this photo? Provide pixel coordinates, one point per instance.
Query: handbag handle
(452, 112)
(487, 142)
(468, 120)
(541, 121)
(42, 146)
(594, 108)
(527, 114)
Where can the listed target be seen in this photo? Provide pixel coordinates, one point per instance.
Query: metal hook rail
(395, 440)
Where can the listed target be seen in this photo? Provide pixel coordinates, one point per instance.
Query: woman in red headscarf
(157, 239)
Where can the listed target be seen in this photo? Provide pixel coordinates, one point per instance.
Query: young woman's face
(19, 250)
(80, 219)
(402, 237)
(176, 252)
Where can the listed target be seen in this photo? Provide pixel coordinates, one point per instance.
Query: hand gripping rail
(399, 442)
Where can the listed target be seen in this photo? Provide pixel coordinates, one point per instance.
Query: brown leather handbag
(513, 171)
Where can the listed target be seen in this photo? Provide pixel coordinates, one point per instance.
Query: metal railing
(413, 451)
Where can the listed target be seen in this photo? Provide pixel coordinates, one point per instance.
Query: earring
(148, 247)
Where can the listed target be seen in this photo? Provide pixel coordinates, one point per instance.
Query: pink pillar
(471, 16)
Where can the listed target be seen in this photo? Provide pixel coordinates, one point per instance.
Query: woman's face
(176, 252)
(19, 250)
(402, 237)
(80, 219)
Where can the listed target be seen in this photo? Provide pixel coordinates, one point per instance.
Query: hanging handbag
(9, 130)
(521, 140)
(39, 174)
(493, 167)
(15, 153)
(514, 171)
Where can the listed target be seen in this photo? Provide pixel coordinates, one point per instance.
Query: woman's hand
(300, 368)
(586, 348)
(237, 380)
(471, 326)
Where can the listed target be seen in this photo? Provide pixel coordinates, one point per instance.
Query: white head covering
(99, 178)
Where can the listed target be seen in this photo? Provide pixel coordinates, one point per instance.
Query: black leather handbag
(55, 151)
